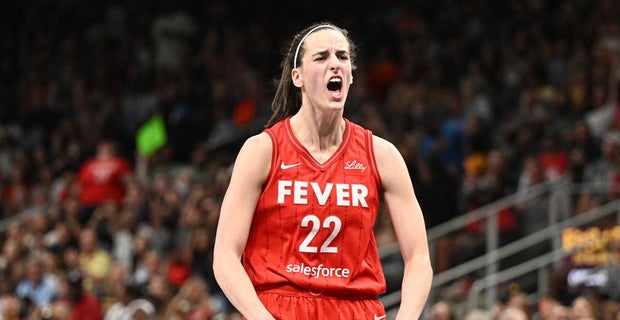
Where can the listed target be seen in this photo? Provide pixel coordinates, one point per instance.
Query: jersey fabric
(312, 231)
(308, 307)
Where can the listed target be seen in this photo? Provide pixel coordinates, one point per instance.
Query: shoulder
(384, 150)
(254, 159)
(259, 145)
(391, 166)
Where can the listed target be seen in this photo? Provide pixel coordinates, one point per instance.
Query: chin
(336, 105)
(340, 101)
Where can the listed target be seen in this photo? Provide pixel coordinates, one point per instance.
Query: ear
(296, 78)
(351, 80)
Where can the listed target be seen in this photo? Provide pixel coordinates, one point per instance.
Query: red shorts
(307, 306)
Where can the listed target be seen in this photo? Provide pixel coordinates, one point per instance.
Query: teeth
(334, 84)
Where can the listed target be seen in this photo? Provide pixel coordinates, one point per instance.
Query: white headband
(304, 38)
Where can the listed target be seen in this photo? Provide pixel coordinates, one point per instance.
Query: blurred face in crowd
(61, 310)
(158, 288)
(440, 311)
(582, 308)
(34, 272)
(609, 148)
(106, 149)
(519, 302)
(88, 241)
(10, 250)
(559, 312)
(10, 307)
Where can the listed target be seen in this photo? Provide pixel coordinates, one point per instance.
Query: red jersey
(312, 229)
(102, 180)
(87, 308)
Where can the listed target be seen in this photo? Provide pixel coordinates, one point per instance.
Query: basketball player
(303, 199)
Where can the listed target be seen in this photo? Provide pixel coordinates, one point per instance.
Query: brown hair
(287, 99)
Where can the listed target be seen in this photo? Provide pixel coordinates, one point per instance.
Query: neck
(318, 131)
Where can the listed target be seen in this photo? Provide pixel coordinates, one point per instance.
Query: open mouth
(334, 84)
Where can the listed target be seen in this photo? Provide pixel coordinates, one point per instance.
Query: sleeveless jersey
(312, 229)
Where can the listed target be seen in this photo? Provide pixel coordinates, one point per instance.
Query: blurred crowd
(518, 307)
(483, 98)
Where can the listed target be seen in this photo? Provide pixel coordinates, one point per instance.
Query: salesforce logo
(318, 271)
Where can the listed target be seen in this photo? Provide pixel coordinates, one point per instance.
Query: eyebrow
(325, 52)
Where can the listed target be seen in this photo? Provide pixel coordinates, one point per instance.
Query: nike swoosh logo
(288, 166)
(379, 318)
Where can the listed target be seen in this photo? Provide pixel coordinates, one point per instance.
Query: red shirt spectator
(88, 307)
(553, 159)
(84, 305)
(103, 177)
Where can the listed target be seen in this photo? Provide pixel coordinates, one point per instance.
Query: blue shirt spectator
(39, 287)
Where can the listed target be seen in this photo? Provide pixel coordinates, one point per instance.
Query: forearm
(239, 290)
(417, 280)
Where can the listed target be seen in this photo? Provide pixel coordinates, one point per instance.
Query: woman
(303, 199)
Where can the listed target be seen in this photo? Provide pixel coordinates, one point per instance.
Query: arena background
(505, 111)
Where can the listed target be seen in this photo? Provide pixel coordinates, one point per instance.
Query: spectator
(583, 149)
(148, 267)
(10, 259)
(38, 286)
(600, 117)
(158, 292)
(477, 314)
(492, 82)
(178, 268)
(154, 232)
(141, 309)
(585, 308)
(600, 172)
(94, 262)
(560, 312)
(130, 306)
(10, 307)
(84, 305)
(441, 310)
(115, 285)
(511, 313)
(123, 238)
(172, 31)
(553, 157)
(520, 301)
(119, 310)
(102, 178)
(201, 247)
(192, 302)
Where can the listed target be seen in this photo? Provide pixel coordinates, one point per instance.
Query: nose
(334, 62)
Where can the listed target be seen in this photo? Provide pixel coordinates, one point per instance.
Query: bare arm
(250, 172)
(409, 227)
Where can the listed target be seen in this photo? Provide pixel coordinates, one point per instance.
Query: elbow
(218, 265)
(430, 271)
(223, 263)
(429, 267)
(420, 265)
(425, 270)
(219, 268)
(426, 267)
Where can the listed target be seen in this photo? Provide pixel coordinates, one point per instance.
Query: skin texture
(319, 125)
